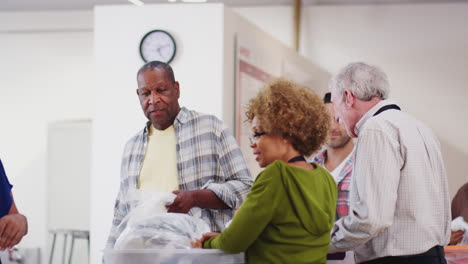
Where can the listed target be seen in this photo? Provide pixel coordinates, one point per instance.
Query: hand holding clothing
(456, 237)
(184, 201)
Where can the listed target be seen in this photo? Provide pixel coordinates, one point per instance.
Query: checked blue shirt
(207, 157)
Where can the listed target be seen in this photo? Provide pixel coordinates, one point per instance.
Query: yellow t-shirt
(159, 170)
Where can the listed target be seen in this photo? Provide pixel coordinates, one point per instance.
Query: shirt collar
(320, 158)
(181, 118)
(360, 124)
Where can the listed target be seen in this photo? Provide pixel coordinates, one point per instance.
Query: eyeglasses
(254, 138)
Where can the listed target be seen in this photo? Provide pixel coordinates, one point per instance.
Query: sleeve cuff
(224, 193)
(207, 243)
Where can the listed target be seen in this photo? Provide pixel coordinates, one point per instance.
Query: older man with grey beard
(338, 160)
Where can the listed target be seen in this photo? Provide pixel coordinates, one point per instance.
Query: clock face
(157, 45)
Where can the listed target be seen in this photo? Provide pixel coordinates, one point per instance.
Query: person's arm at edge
(13, 227)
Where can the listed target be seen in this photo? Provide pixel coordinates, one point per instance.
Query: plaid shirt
(342, 204)
(208, 157)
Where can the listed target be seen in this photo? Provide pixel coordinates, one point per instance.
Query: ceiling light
(194, 1)
(136, 2)
(172, 1)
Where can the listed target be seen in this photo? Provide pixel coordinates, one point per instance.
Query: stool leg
(89, 248)
(64, 248)
(71, 249)
(51, 257)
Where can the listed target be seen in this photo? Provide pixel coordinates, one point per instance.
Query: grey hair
(363, 80)
(160, 66)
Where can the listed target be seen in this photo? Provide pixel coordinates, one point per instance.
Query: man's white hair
(363, 80)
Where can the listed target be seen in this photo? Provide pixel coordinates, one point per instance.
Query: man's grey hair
(160, 66)
(363, 80)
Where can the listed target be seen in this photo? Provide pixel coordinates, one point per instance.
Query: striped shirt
(208, 157)
(399, 202)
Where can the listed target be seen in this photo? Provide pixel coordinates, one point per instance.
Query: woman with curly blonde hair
(289, 212)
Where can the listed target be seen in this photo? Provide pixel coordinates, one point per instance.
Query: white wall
(68, 188)
(275, 20)
(46, 74)
(198, 67)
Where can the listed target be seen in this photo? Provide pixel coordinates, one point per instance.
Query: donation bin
(456, 254)
(171, 256)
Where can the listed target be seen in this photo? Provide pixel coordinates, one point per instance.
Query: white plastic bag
(149, 225)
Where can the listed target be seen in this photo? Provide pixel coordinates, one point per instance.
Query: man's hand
(456, 237)
(184, 201)
(12, 229)
(199, 242)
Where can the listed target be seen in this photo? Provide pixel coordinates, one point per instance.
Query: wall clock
(157, 45)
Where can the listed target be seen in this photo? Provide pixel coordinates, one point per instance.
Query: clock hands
(159, 49)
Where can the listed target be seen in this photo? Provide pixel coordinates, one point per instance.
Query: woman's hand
(456, 237)
(199, 242)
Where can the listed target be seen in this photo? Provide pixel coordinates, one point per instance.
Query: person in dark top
(13, 225)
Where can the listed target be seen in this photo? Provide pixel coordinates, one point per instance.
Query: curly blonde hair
(291, 111)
